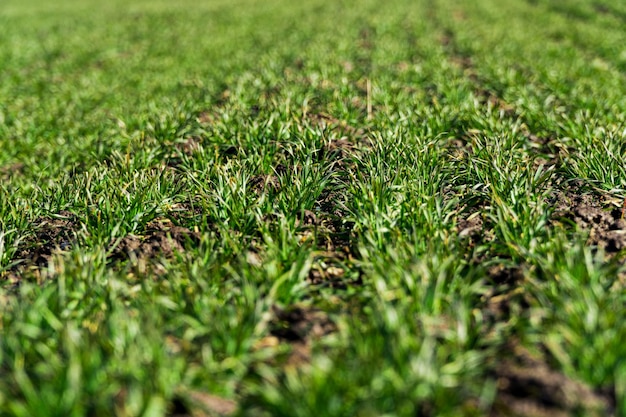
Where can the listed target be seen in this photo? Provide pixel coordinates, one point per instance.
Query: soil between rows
(528, 385)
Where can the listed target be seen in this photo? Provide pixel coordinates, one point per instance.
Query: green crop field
(323, 208)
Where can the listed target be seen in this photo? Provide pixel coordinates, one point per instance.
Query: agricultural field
(325, 208)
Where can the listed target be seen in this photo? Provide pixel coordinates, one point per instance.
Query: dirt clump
(184, 212)
(505, 297)
(300, 325)
(329, 270)
(607, 228)
(332, 236)
(161, 238)
(53, 234)
(527, 386)
(331, 203)
(470, 225)
(262, 183)
(502, 274)
(336, 150)
(308, 218)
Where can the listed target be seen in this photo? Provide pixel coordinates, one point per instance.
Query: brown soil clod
(607, 228)
(329, 270)
(470, 225)
(162, 238)
(53, 234)
(527, 386)
(334, 235)
(333, 238)
(300, 325)
(337, 149)
(500, 274)
(207, 118)
(181, 212)
(506, 296)
(331, 203)
(308, 219)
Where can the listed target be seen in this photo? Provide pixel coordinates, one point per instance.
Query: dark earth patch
(181, 213)
(299, 326)
(53, 234)
(326, 224)
(330, 270)
(607, 228)
(161, 238)
(501, 273)
(332, 203)
(505, 298)
(336, 150)
(473, 226)
(334, 237)
(528, 387)
(308, 219)
(263, 183)
(470, 226)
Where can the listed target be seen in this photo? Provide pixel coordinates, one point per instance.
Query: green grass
(435, 183)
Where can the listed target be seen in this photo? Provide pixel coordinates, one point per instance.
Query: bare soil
(299, 326)
(529, 387)
(52, 234)
(586, 211)
(161, 238)
(527, 384)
